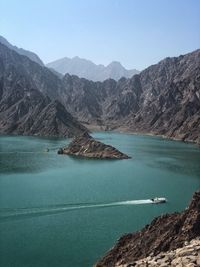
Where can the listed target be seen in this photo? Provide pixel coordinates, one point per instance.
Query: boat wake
(6, 213)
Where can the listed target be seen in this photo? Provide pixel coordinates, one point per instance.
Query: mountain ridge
(31, 55)
(163, 99)
(85, 68)
(24, 109)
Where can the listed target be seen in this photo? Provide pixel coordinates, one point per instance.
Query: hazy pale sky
(137, 33)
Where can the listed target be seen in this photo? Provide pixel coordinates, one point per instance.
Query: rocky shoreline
(86, 146)
(165, 235)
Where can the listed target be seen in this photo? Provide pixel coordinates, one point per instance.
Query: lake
(61, 211)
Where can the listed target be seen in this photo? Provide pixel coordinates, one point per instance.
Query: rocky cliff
(165, 233)
(23, 108)
(164, 99)
(86, 146)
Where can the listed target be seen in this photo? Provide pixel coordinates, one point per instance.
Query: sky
(138, 33)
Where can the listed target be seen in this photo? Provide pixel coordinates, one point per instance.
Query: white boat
(158, 200)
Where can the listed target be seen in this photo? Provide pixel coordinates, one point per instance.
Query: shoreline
(96, 128)
(102, 128)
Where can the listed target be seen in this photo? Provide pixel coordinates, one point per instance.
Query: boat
(158, 200)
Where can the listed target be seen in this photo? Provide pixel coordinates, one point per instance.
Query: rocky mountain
(21, 51)
(24, 109)
(87, 69)
(86, 146)
(163, 99)
(165, 233)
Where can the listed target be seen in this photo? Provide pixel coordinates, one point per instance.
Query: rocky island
(86, 146)
(170, 240)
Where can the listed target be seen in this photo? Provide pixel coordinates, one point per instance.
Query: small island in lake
(86, 146)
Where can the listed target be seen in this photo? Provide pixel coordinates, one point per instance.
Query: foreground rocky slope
(23, 108)
(165, 233)
(86, 146)
(187, 256)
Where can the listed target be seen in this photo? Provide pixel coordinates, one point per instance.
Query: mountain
(163, 99)
(21, 51)
(166, 233)
(24, 109)
(88, 70)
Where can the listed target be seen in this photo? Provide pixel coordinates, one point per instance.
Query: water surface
(57, 210)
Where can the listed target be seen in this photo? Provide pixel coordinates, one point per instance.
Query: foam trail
(48, 210)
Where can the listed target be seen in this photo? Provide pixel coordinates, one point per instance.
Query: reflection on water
(176, 157)
(28, 154)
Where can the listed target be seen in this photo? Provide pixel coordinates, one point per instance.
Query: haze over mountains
(163, 99)
(87, 69)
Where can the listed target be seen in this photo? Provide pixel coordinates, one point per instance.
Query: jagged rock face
(23, 108)
(170, 98)
(40, 78)
(88, 70)
(86, 146)
(163, 99)
(32, 56)
(165, 233)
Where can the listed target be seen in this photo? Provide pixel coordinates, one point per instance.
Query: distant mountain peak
(85, 68)
(115, 63)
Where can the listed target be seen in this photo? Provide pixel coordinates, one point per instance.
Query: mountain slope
(32, 56)
(23, 108)
(88, 70)
(163, 99)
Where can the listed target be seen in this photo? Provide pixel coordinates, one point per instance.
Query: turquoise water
(61, 211)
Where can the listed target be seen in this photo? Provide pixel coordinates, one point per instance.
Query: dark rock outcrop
(86, 146)
(165, 233)
(23, 108)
